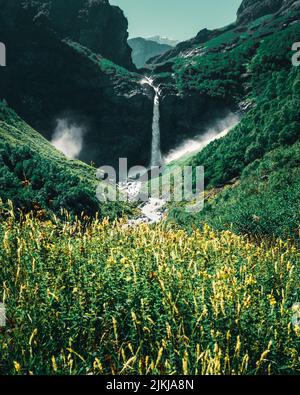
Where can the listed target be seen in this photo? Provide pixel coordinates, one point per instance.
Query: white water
(152, 211)
(156, 157)
(68, 138)
(190, 146)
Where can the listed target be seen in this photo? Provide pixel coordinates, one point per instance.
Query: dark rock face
(187, 115)
(252, 9)
(46, 80)
(93, 23)
(143, 50)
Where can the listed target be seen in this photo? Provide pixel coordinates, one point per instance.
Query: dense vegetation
(215, 75)
(262, 149)
(263, 202)
(111, 299)
(37, 177)
(220, 67)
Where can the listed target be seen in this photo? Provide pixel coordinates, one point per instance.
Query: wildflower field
(107, 298)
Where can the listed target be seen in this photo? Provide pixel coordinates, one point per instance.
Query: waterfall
(156, 157)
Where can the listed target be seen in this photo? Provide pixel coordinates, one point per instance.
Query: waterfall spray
(156, 156)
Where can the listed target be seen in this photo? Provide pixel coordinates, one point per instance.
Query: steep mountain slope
(254, 9)
(207, 77)
(35, 176)
(200, 38)
(249, 11)
(49, 77)
(256, 69)
(93, 23)
(143, 50)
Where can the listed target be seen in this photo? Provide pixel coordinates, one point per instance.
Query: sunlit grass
(105, 298)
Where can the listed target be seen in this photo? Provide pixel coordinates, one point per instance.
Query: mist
(196, 144)
(68, 138)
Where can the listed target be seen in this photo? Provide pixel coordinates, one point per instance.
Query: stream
(153, 210)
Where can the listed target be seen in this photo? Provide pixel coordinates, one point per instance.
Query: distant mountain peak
(144, 49)
(163, 40)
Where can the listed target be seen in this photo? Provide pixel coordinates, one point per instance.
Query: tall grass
(108, 298)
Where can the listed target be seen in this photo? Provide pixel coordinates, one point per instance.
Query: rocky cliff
(206, 77)
(49, 78)
(252, 9)
(93, 23)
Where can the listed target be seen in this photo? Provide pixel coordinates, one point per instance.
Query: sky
(176, 19)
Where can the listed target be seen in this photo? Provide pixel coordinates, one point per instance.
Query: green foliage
(274, 120)
(224, 38)
(259, 21)
(37, 177)
(99, 299)
(265, 201)
(106, 65)
(267, 135)
(218, 73)
(215, 74)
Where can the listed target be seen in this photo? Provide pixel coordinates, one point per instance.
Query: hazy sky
(178, 19)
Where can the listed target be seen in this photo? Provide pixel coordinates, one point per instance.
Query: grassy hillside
(141, 300)
(274, 94)
(263, 149)
(105, 65)
(35, 176)
(263, 202)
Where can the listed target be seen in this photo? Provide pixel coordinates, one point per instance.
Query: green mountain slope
(274, 95)
(35, 176)
(47, 79)
(205, 78)
(264, 148)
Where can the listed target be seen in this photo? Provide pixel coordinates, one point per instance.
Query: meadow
(105, 298)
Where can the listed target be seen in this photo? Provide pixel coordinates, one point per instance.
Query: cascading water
(152, 211)
(156, 156)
